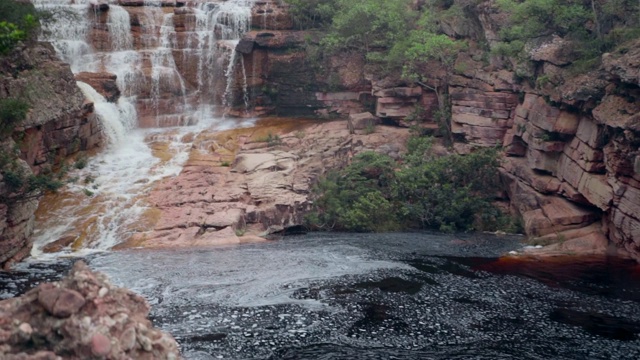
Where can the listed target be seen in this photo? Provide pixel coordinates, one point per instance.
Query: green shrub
(12, 111)
(447, 193)
(271, 140)
(25, 186)
(356, 198)
(13, 179)
(594, 26)
(43, 183)
(312, 13)
(18, 22)
(81, 163)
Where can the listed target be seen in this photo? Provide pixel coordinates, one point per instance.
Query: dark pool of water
(391, 296)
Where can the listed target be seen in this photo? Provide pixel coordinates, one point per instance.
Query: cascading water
(174, 76)
(168, 76)
(216, 29)
(120, 28)
(117, 119)
(69, 40)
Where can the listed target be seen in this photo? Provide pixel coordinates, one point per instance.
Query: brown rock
(616, 111)
(104, 328)
(58, 302)
(104, 83)
(626, 65)
(584, 241)
(68, 303)
(100, 345)
(271, 14)
(362, 121)
(59, 244)
(556, 50)
(550, 118)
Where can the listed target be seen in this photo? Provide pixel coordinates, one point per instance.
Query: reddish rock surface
(104, 83)
(571, 142)
(265, 189)
(81, 317)
(59, 124)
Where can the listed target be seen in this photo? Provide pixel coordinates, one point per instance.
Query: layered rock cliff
(571, 142)
(59, 124)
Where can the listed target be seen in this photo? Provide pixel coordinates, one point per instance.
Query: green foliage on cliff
(12, 111)
(312, 13)
(18, 22)
(595, 26)
(21, 183)
(369, 25)
(425, 191)
(376, 28)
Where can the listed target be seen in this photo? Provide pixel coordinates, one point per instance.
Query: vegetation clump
(12, 111)
(446, 193)
(18, 22)
(21, 184)
(592, 26)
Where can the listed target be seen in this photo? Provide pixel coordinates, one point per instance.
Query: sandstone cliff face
(571, 142)
(59, 124)
(572, 157)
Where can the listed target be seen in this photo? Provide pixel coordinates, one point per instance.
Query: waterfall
(166, 92)
(173, 67)
(216, 22)
(120, 28)
(69, 40)
(229, 74)
(116, 119)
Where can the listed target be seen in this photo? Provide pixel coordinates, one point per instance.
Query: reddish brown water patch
(611, 277)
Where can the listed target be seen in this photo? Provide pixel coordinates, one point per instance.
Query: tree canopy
(18, 22)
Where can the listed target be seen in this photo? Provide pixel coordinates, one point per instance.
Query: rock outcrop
(58, 125)
(81, 317)
(571, 141)
(254, 182)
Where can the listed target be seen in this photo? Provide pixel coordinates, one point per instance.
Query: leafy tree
(312, 13)
(613, 21)
(356, 198)
(447, 193)
(18, 22)
(369, 25)
(426, 45)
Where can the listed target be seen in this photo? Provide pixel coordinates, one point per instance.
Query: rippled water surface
(392, 296)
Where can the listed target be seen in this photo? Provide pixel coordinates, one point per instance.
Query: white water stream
(102, 206)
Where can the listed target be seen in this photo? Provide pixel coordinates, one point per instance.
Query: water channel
(387, 296)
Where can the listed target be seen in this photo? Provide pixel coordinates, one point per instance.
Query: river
(383, 296)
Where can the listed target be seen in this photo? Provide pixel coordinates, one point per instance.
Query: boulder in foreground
(81, 317)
